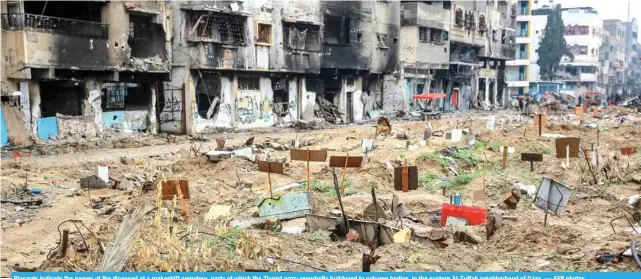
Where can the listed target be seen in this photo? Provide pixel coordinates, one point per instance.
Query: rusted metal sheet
(271, 167)
(339, 161)
(561, 144)
(319, 222)
(405, 178)
(169, 189)
(314, 155)
(286, 207)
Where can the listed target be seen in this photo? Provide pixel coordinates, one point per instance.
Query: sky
(608, 9)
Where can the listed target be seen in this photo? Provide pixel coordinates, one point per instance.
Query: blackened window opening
(77, 10)
(301, 36)
(423, 34)
(281, 96)
(125, 96)
(208, 98)
(248, 83)
(140, 27)
(63, 97)
(216, 28)
(337, 30)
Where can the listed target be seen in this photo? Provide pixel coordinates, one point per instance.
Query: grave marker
(532, 157)
(405, 178)
(269, 168)
(567, 148)
(345, 162)
(308, 156)
(180, 189)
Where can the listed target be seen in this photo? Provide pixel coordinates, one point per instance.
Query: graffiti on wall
(171, 107)
(250, 109)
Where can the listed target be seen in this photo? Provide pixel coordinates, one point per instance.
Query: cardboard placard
(169, 189)
(561, 143)
(410, 178)
(314, 155)
(339, 161)
(578, 111)
(628, 150)
(544, 119)
(271, 167)
(532, 157)
(220, 144)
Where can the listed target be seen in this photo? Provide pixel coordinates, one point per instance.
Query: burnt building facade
(251, 64)
(82, 69)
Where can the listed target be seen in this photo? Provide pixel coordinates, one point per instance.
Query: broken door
(170, 106)
(350, 107)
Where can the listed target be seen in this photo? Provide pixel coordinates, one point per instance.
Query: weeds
(495, 144)
(318, 236)
(463, 179)
(413, 259)
(469, 156)
(429, 155)
(322, 186)
(429, 182)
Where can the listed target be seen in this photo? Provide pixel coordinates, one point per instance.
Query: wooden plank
(14, 119)
(628, 150)
(169, 190)
(412, 178)
(314, 155)
(339, 161)
(532, 157)
(563, 142)
(271, 167)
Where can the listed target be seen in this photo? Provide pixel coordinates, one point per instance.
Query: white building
(583, 36)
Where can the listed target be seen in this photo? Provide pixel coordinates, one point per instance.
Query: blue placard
(326, 275)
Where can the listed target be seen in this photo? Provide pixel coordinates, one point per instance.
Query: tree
(553, 46)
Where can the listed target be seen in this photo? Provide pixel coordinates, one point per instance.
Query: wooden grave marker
(220, 144)
(308, 156)
(532, 157)
(405, 178)
(345, 162)
(180, 189)
(269, 168)
(567, 148)
(540, 120)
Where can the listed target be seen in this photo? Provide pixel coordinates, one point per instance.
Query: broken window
(458, 17)
(481, 24)
(337, 30)
(314, 84)
(469, 20)
(438, 37)
(447, 4)
(63, 97)
(503, 36)
(349, 81)
(125, 96)
(423, 34)
(305, 60)
(215, 28)
(248, 83)
(494, 39)
(208, 98)
(301, 36)
(281, 96)
(140, 27)
(263, 33)
(381, 41)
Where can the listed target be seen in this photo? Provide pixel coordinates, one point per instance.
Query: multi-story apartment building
(84, 71)
(613, 57)
(633, 73)
(425, 45)
(518, 70)
(583, 34)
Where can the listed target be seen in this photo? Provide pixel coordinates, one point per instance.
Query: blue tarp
(4, 137)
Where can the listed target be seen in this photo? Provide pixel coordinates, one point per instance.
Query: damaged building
(424, 30)
(249, 64)
(82, 69)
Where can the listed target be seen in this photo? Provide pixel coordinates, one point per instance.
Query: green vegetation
(553, 45)
(318, 236)
(495, 144)
(456, 182)
(468, 156)
(429, 182)
(229, 238)
(322, 186)
(413, 259)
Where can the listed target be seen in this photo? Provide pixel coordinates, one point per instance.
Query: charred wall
(344, 34)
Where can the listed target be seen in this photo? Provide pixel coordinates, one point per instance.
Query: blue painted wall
(4, 137)
(47, 126)
(113, 119)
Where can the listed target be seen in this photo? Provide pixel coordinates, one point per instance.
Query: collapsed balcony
(55, 25)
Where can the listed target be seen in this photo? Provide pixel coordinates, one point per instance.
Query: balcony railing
(515, 77)
(56, 25)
